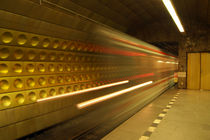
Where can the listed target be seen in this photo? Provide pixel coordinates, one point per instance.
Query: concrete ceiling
(147, 19)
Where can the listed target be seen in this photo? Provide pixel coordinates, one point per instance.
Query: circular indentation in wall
(85, 77)
(89, 85)
(80, 78)
(93, 68)
(73, 79)
(31, 82)
(61, 57)
(68, 67)
(69, 57)
(17, 68)
(52, 56)
(30, 68)
(88, 58)
(7, 37)
(56, 44)
(85, 48)
(72, 68)
(82, 47)
(79, 47)
(82, 86)
(51, 80)
(78, 67)
(90, 77)
(82, 58)
(41, 67)
(42, 81)
(76, 58)
(75, 68)
(98, 75)
(18, 54)
(42, 55)
(60, 67)
(64, 45)
(52, 92)
(51, 68)
(61, 90)
(60, 79)
(69, 89)
(4, 68)
(4, 85)
(32, 96)
(97, 68)
(19, 99)
(5, 101)
(34, 41)
(21, 39)
(87, 68)
(82, 68)
(42, 94)
(72, 47)
(68, 79)
(4, 53)
(18, 83)
(93, 59)
(31, 55)
(46, 43)
(76, 87)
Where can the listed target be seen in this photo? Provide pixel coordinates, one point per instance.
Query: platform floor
(175, 115)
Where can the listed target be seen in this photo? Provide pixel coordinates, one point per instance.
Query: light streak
(83, 91)
(173, 14)
(160, 61)
(111, 95)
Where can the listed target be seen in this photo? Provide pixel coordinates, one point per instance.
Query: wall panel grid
(35, 66)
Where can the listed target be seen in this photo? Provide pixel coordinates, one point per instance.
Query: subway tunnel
(104, 69)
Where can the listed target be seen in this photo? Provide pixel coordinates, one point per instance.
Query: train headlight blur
(83, 91)
(111, 95)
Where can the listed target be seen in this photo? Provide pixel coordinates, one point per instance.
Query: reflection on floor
(187, 119)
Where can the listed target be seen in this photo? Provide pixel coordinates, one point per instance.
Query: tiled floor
(188, 118)
(134, 127)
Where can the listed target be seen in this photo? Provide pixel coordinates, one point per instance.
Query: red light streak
(141, 46)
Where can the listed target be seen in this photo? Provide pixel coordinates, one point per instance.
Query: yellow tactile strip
(160, 117)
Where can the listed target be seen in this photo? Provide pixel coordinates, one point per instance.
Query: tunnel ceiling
(146, 19)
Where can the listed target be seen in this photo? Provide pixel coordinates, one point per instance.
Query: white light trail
(83, 91)
(111, 95)
(160, 61)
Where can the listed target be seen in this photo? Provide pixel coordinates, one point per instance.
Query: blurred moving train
(58, 81)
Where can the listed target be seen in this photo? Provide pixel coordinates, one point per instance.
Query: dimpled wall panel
(34, 66)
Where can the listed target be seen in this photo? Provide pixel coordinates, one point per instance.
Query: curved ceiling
(146, 19)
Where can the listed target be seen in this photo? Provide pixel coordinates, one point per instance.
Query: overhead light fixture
(173, 14)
